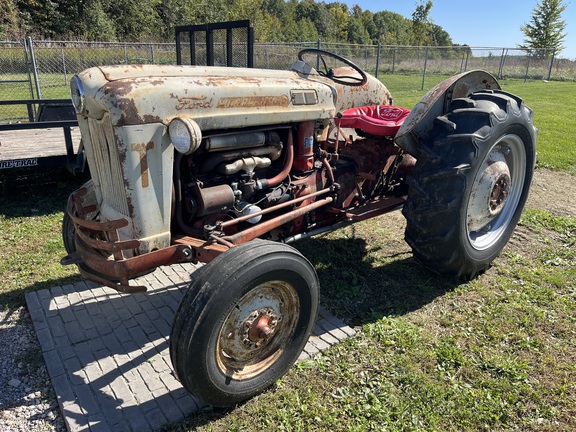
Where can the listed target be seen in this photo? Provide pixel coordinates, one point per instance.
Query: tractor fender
(420, 123)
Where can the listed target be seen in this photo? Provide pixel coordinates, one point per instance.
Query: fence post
(467, 57)
(425, 65)
(527, 67)
(394, 60)
(153, 61)
(378, 58)
(31, 108)
(319, 46)
(125, 55)
(34, 68)
(64, 65)
(551, 64)
(501, 67)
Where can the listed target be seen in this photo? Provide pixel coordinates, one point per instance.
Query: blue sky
(487, 23)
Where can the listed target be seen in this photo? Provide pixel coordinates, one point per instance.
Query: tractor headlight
(185, 135)
(77, 95)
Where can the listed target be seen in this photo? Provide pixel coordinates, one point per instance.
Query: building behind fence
(42, 69)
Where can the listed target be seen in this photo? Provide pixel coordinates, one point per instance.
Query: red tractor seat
(380, 120)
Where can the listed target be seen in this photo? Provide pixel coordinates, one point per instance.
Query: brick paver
(107, 353)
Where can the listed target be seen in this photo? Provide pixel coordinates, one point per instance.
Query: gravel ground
(27, 400)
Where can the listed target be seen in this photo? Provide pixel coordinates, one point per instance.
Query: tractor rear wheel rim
(504, 192)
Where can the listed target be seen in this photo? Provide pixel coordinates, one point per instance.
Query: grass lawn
(432, 353)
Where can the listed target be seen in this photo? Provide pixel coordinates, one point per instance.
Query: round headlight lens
(185, 135)
(77, 94)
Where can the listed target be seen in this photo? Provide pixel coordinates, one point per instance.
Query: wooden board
(28, 146)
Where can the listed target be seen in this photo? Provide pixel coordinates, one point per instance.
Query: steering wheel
(348, 80)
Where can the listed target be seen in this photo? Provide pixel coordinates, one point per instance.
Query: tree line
(273, 20)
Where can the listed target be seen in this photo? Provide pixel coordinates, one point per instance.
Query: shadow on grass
(36, 192)
(359, 288)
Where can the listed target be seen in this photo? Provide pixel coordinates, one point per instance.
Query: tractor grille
(106, 166)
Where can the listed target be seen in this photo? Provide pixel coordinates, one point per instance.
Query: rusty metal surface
(106, 259)
(257, 329)
(214, 199)
(127, 109)
(371, 93)
(124, 122)
(274, 208)
(264, 227)
(202, 251)
(216, 97)
(436, 102)
(374, 208)
(278, 178)
(117, 273)
(131, 168)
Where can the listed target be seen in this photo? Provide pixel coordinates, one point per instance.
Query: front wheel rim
(257, 330)
(511, 149)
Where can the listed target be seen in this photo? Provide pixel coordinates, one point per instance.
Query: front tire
(68, 233)
(244, 321)
(470, 183)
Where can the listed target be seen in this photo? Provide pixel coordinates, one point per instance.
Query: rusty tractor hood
(217, 97)
(125, 111)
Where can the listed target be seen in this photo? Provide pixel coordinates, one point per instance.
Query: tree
(545, 32)
(440, 37)
(98, 25)
(421, 24)
(9, 20)
(392, 28)
(340, 19)
(39, 18)
(357, 33)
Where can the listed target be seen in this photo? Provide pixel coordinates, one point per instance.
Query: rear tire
(470, 184)
(244, 321)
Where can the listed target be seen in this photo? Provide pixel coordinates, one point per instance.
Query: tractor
(229, 166)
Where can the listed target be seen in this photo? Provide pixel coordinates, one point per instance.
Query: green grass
(554, 109)
(31, 211)
(53, 86)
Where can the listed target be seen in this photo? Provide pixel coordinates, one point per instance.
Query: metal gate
(18, 80)
(218, 44)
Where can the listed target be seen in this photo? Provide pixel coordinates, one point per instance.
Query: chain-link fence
(42, 69)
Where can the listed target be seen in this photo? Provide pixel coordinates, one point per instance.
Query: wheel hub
(489, 192)
(500, 192)
(259, 327)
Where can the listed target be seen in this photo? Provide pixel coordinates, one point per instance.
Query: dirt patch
(553, 191)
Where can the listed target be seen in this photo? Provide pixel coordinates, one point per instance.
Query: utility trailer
(50, 137)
